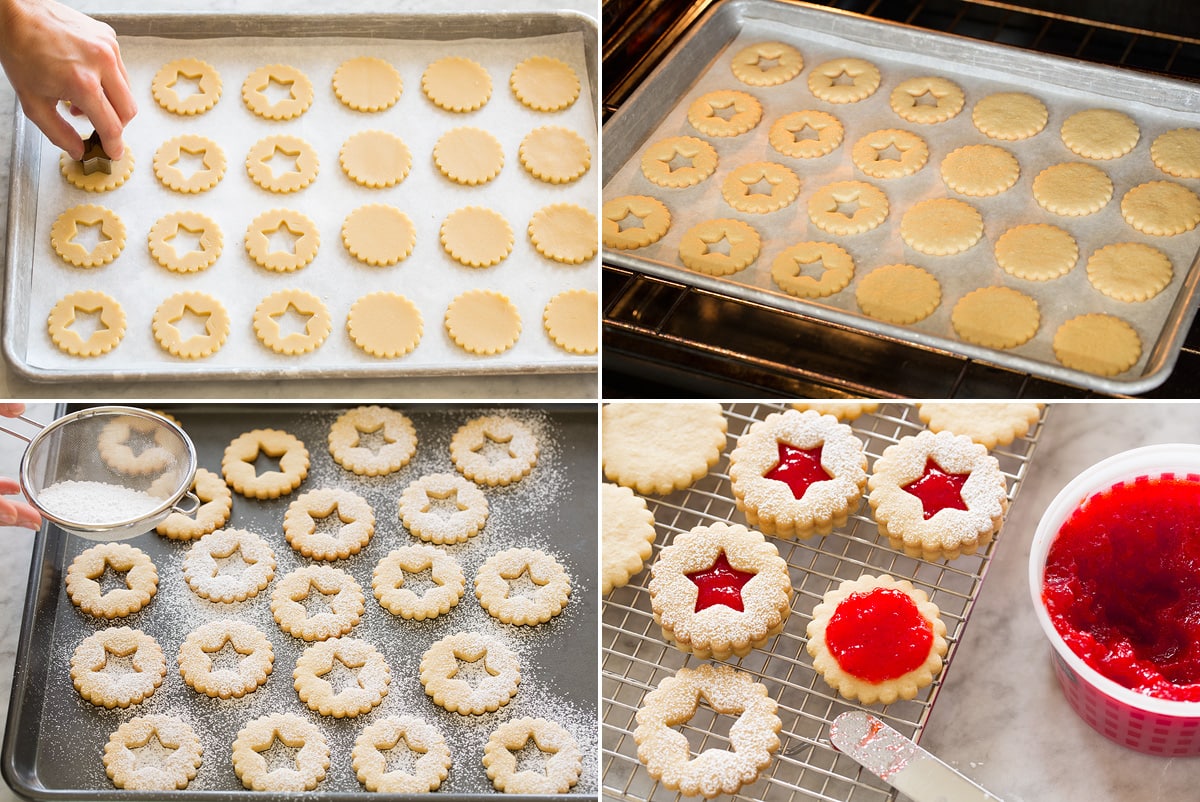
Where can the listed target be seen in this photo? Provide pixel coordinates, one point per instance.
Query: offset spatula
(899, 762)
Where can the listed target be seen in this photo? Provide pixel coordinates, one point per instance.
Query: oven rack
(635, 657)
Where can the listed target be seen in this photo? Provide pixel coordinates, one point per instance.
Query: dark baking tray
(54, 740)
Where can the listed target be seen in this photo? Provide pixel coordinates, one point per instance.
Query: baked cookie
(544, 84)
(216, 502)
(634, 221)
(796, 474)
(937, 496)
(1129, 271)
(500, 576)
(237, 465)
(90, 302)
(766, 64)
(266, 163)
(828, 81)
(1161, 208)
(121, 433)
(848, 207)
(890, 153)
(425, 741)
(456, 84)
(902, 294)
(980, 171)
(300, 523)
(626, 535)
(476, 237)
(319, 660)
(1177, 152)
(668, 756)
(554, 154)
(198, 306)
(445, 574)
(170, 771)
(494, 450)
(564, 232)
(317, 323)
(740, 188)
(1072, 189)
(385, 324)
(378, 235)
(166, 231)
(468, 155)
(719, 591)
(305, 240)
(1010, 116)
(877, 639)
(941, 226)
(741, 240)
(1097, 343)
(1100, 133)
(707, 113)
(908, 98)
(86, 570)
(207, 85)
(340, 596)
(842, 410)
(203, 564)
(257, 737)
(99, 181)
(300, 92)
(121, 685)
(806, 134)
(678, 161)
(65, 229)
(661, 448)
(483, 322)
(563, 762)
(375, 159)
(835, 269)
(499, 673)
(443, 508)
(365, 83)
(989, 425)
(996, 317)
(394, 428)
(200, 669)
(572, 319)
(1036, 251)
(171, 152)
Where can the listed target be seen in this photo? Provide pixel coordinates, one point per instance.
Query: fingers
(9, 486)
(18, 513)
(44, 114)
(11, 410)
(104, 118)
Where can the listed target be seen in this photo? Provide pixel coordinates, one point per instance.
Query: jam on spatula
(878, 635)
(938, 490)
(720, 584)
(798, 468)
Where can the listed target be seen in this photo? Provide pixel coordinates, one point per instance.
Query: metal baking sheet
(54, 740)
(700, 63)
(316, 44)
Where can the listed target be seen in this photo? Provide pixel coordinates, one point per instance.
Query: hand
(51, 53)
(16, 513)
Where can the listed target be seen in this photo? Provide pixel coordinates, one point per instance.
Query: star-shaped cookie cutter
(95, 160)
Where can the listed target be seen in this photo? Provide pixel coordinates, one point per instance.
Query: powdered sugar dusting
(89, 502)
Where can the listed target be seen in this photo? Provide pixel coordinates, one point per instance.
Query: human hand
(12, 410)
(16, 513)
(51, 53)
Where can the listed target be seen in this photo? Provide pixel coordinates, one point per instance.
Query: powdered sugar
(96, 503)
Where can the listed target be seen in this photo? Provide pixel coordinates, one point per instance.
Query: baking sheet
(700, 63)
(236, 45)
(54, 741)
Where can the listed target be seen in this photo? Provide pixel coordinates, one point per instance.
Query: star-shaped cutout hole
(521, 584)
(765, 63)
(279, 754)
(495, 448)
(185, 84)
(400, 756)
(224, 658)
(110, 579)
(373, 439)
(264, 463)
(86, 322)
(630, 222)
(938, 490)
(330, 522)
(799, 468)
(679, 162)
(472, 672)
(926, 98)
(721, 110)
(720, 246)
(814, 269)
(283, 238)
(277, 91)
(232, 563)
(342, 676)
(315, 601)
(292, 321)
(843, 78)
(720, 584)
(419, 582)
(89, 236)
(151, 752)
(763, 187)
(532, 756)
(444, 504)
(806, 134)
(191, 324)
(891, 152)
(117, 661)
(847, 206)
(191, 161)
(287, 161)
(184, 240)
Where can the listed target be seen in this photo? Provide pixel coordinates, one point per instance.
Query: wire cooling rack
(636, 657)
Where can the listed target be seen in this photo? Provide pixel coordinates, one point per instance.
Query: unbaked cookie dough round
(300, 226)
(555, 154)
(477, 237)
(1100, 133)
(980, 170)
(706, 114)
(870, 207)
(1010, 116)
(825, 80)
(456, 84)
(377, 234)
(277, 304)
(564, 232)
(740, 188)
(468, 155)
(201, 305)
(65, 228)
(261, 164)
(1036, 251)
(996, 317)
(385, 324)
(1129, 271)
(169, 154)
(571, 319)
(890, 153)
(941, 226)
(1161, 208)
(900, 294)
(784, 132)
(1097, 343)
(741, 238)
(121, 169)
(650, 222)
(209, 241)
(1072, 189)
(208, 86)
(483, 322)
(766, 64)
(698, 160)
(544, 84)
(300, 92)
(90, 302)
(366, 83)
(375, 159)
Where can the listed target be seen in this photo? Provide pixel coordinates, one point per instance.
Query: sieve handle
(191, 497)
(18, 435)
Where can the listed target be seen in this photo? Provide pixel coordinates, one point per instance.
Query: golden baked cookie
(1097, 343)
(766, 64)
(115, 445)
(877, 639)
(267, 163)
(476, 236)
(678, 161)
(697, 251)
(626, 535)
(842, 410)
(996, 317)
(171, 152)
(98, 181)
(354, 522)
(572, 321)
(65, 229)
(499, 673)
(1036, 251)
(741, 187)
(562, 761)
(941, 226)
(394, 428)
(989, 425)
(169, 772)
(89, 302)
(375, 159)
(251, 566)
(468, 155)
(833, 272)
(1161, 208)
(314, 685)
(216, 502)
(899, 293)
(341, 598)
(431, 767)
(165, 232)
(207, 84)
(634, 221)
(890, 153)
(980, 170)
(110, 687)
(305, 240)
(806, 134)
(1100, 133)
(365, 83)
(848, 207)
(1010, 116)
(544, 84)
(668, 755)
(237, 464)
(228, 679)
(385, 324)
(456, 84)
(483, 322)
(1129, 271)
(494, 450)
(554, 154)
(308, 767)
(706, 113)
(444, 573)
(1072, 189)
(196, 305)
(827, 80)
(564, 232)
(497, 593)
(378, 234)
(443, 508)
(317, 323)
(135, 568)
(1177, 152)
(661, 448)
(300, 92)
(909, 96)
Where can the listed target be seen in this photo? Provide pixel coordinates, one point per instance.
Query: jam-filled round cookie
(719, 591)
(796, 474)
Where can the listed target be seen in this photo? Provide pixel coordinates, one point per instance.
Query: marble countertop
(13, 385)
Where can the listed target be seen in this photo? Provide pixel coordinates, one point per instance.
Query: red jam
(799, 468)
(938, 490)
(721, 584)
(1122, 585)
(878, 635)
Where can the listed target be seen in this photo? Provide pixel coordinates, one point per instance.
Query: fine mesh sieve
(109, 473)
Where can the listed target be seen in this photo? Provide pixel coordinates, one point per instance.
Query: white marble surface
(12, 385)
